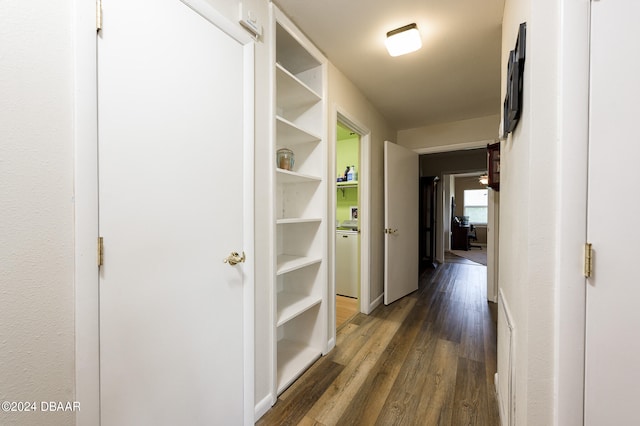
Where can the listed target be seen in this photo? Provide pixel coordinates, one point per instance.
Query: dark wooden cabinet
(460, 237)
(493, 166)
(428, 219)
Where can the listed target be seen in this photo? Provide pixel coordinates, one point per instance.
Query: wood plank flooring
(427, 359)
(346, 307)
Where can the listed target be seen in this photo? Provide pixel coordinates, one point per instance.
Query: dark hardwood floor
(427, 359)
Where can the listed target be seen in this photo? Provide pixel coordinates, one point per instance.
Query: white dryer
(347, 262)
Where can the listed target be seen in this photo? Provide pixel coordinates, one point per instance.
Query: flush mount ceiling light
(403, 40)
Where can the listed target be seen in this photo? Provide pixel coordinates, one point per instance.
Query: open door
(401, 196)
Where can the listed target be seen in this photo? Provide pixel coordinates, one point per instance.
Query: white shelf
(288, 134)
(292, 93)
(348, 183)
(293, 359)
(288, 263)
(287, 176)
(291, 55)
(294, 220)
(290, 305)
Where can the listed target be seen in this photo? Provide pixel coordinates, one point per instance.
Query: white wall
(36, 208)
(473, 132)
(530, 203)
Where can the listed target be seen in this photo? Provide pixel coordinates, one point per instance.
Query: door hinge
(588, 260)
(98, 15)
(100, 251)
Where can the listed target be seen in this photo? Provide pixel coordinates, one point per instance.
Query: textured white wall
(529, 196)
(480, 129)
(36, 210)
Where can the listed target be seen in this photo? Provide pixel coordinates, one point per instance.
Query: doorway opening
(468, 219)
(428, 221)
(459, 164)
(364, 304)
(347, 242)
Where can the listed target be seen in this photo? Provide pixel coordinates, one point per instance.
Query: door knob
(234, 258)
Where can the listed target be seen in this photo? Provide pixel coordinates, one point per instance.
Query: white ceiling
(455, 76)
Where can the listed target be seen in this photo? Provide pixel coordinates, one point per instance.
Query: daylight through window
(475, 205)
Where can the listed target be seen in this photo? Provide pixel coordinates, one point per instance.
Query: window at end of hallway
(475, 205)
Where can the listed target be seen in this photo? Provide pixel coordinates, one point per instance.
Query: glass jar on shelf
(285, 158)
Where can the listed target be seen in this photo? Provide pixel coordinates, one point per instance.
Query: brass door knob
(234, 258)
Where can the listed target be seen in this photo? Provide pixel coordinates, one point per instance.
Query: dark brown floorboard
(427, 359)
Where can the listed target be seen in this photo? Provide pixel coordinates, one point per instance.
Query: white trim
(376, 302)
(87, 350)
(496, 384)
(455, 147)
(263, 406)
(493, 246)
(364, 194)
(331, 233)
(208, 12)
(365, 237)
(271, 199)
(338, 113)
(571, 219)
(331, 343)
(248, 310)
(508, 417)
(87, 383)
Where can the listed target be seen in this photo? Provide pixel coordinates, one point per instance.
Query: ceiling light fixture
(403, 40)
(484, 180)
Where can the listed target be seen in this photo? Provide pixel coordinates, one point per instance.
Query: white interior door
(612, 382)
(172, 175)
(401, 178)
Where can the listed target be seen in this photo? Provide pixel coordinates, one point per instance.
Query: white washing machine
(347, 262)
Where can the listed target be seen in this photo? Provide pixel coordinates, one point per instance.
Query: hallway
(428, 359)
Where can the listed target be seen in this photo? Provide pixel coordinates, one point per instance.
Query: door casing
(364, 179)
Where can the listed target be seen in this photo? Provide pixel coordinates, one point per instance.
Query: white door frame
(573, 123)
(87, 380)
(364, 215)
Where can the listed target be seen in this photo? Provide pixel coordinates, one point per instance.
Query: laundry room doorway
(349, 210)
(347, 238)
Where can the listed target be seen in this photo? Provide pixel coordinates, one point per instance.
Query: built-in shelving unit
(300, 226)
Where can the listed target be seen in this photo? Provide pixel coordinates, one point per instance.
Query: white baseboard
(375, 303)
(330, 345)
(500, 407)
(506, 352)
(262, 407)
